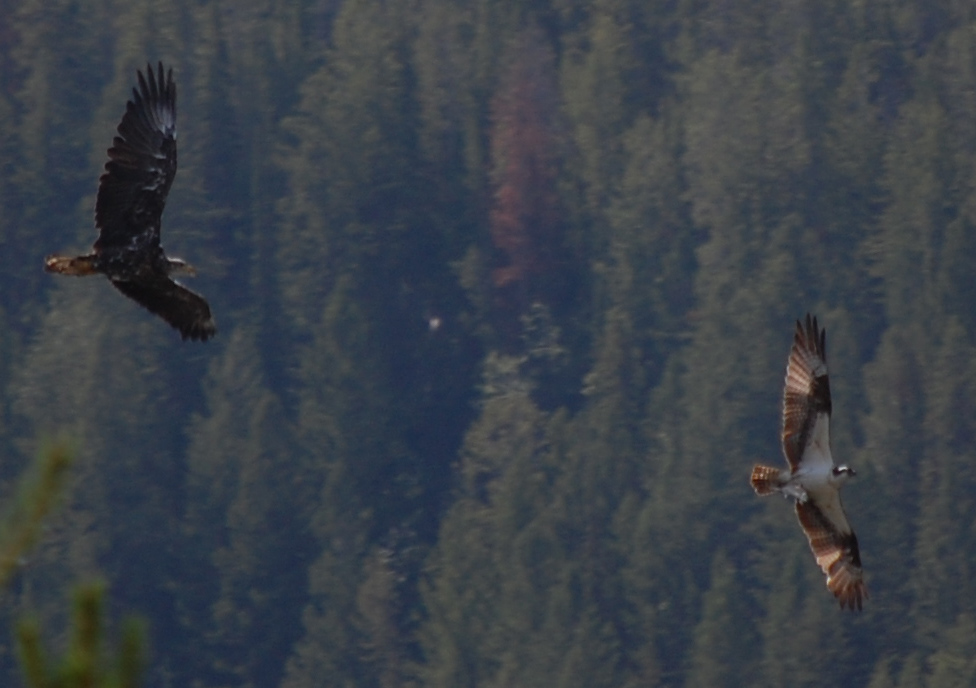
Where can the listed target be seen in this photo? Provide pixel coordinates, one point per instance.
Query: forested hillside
(504, 293)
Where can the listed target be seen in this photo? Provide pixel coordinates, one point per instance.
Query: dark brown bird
(131, 196)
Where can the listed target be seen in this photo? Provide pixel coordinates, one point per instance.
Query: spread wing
(835, 546)
(806, 398)
(183, 309)
(142, 163)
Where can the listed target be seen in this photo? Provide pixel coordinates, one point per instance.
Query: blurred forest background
(505, 291)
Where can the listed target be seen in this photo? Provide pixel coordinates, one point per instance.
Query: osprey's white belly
(814, 478)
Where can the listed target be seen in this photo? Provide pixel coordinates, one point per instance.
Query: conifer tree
(246, 521)
(954, 663)
(724, 640)
(482, 599)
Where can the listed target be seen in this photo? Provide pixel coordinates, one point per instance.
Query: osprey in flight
(131, 196)
(813, 480)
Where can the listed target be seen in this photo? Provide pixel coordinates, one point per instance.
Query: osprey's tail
(766, 480)
(80, 265)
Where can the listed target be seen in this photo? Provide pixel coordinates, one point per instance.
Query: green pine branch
(83, 664)
(36, 496)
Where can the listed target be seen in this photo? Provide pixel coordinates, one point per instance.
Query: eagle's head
(840, 474)
(178, 265)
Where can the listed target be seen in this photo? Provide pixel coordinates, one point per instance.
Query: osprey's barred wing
(806, 398)
(183, 309)
(141, 166)
(834, 545)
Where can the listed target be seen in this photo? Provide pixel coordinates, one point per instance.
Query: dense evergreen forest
(504, 291)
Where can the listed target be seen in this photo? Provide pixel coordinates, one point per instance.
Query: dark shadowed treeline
(504, 293)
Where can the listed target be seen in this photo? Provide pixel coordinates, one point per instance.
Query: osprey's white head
(840, 474)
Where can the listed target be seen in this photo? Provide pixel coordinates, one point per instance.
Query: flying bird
(131, 196)
(813, 481)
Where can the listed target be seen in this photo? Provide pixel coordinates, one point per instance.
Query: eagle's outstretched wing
(142, 163)
(834, 544)
(185, 310)
(806, 398)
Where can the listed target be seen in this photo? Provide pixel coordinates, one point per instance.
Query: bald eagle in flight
(131, 196)
(813, 480)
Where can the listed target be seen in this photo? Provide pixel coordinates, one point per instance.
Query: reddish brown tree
(525, 216)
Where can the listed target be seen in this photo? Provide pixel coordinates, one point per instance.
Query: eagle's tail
(766, 480)
(65, 265)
